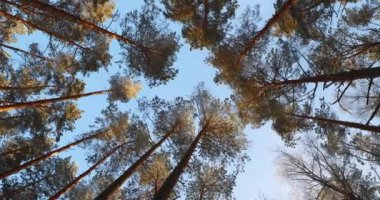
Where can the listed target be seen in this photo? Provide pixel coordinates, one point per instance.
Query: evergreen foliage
(311, 71)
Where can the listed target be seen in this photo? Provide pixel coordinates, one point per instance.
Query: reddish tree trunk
(122, 178)
(37, 87)
(369, 73)
(61, 14)
(167, 187)
(24, 52)
(46, 156)
(84, 174)
(15, 106)
(277, 16)
(342, 123)
(16, 18)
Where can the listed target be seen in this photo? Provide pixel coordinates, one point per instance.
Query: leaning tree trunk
(272, 21)
(122, 178)
(24, 52)
(37, 103)
(167, 187)
(35, 87)
(84, 174)
(366, 73)
(63, 15)
(12, 193)
(342, 123)
(34, 26)
(46, 156)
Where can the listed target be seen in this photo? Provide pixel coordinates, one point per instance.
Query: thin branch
(373, 113)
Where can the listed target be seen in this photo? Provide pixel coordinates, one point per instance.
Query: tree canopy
(310, 70)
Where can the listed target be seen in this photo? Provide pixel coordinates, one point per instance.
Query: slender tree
(368, 73)
(14, 192)
(219, 137)
(48, 155)
(363, 127)
(23, 51)
(40, 181)
(61, 14)
(153, 174)
(14, 106)
(168, 185)
(35, 26)
(20, 149)
(123, 128)
(36, 87)
(84, 174)
(122, 178)
(270, 23)
(121, 88)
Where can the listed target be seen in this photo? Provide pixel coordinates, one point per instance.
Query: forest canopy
(309, 70)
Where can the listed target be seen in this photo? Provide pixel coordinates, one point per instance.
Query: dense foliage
(311, 71)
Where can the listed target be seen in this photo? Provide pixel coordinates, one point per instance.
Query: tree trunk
(272, 21)
(24, 52)
(36, 87)
(202, 192)
(369, 73)
(206, 13)
(46, 156)
(34, 26)
(12, 193)
(342, 123)
(122, 178)
(63, 15)
(15, 106)
(80, 177)
(167, 187)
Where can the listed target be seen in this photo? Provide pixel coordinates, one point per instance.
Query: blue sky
(260, 173)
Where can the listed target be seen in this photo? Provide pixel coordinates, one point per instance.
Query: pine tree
(338, 122)
(88, 171)
(121, 89)
(170, 119)
(204, 22)
(47, 155)
(217, 123)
